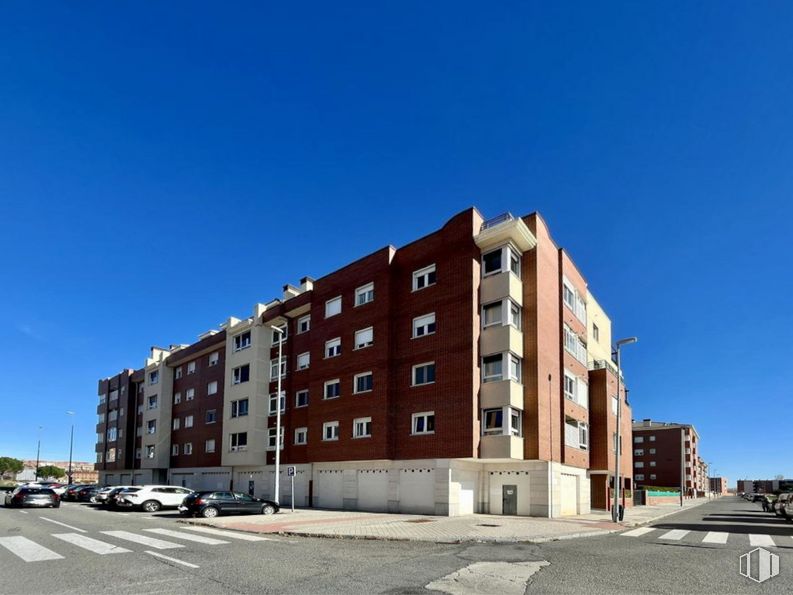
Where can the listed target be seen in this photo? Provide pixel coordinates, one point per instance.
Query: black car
(33, 497)
(211, 504)
(73, 490)
(86, 493)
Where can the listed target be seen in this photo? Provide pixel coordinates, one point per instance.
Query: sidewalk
(310, 522)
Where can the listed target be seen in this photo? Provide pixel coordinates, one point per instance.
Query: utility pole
(615, 515)
(71, 446)
(38, 454)
(281, 333)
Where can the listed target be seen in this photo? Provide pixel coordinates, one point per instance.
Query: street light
(71, 445)
(281, 332)
(617, 490)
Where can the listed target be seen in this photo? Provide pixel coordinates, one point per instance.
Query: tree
(10, 466)
(51, 471)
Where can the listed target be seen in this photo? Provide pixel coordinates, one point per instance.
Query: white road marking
(23, 511)
(157, 544)
(715, 537)
(174, 560)
(28, 550)
(761, 540)
(638, 532)
(90, 544)
(43, 518)
(507, 578)
(229, 534)
(674, 534)
(187, 536)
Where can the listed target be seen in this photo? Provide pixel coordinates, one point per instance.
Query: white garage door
(373, 491)
(417, 491)
(331, 489)
(466, 497)
(569, 494)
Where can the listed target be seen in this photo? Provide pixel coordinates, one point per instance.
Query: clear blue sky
(164, 167)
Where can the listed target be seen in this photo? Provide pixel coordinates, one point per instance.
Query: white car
(152, 498)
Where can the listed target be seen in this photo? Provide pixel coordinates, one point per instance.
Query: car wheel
(151, 506)
(268, 509)
(210, 512)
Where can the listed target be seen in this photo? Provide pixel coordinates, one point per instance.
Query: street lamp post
(281, 332)
(615, 508)
(38, 454)
(71, 446)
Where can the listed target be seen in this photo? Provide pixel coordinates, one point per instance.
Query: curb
(666, 514)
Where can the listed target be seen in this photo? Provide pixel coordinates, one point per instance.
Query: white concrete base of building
(126, 477)
(448, 487)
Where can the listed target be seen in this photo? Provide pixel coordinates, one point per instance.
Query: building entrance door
(509, 500)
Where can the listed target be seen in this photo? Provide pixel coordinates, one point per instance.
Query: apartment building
(448, 376)
(718, 485)
(667, 455)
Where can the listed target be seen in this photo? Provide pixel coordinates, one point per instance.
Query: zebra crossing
(710, 537)
(105, 543)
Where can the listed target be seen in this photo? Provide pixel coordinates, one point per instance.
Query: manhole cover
(487, 525)
(420, 521)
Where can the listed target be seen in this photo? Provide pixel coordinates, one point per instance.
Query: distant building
(718, 485)
(667, 455)
(764, 486)
(82, 471)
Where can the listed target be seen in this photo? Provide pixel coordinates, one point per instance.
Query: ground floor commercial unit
(602, 490)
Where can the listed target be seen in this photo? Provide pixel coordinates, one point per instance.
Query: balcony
(505, 228)
(502, 393)
(501, 338)
(499, 286)
(501, 447)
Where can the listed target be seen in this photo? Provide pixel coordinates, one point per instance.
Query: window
(242, 341)
(303, 360)
(424, 374)
(112, 434)
(333, 307)
(423, 423)
(154, 377)
(209, 445)
(506, 258)
(615, 405)
(330, 430)
(515, 368)
(652, 438)
(189, 394)
(364, 338)
(212, 388)
(304, 324)
(575, 389)
(272, 434)
(177, 423)
(137, 453)
(595, 332)
(492, 422)
(574, 345)
(301, 436)
(102, 398)
(188, 448)
(576, 433)
(364, 294)
(424, 277)
(493, 367)
(363, 382)
(278, 336)
(638, 464)
(188, 421)
(191, 368)
(652, 463)
(515, 315)
(99, 457)
(638, 439)
(211, 416)
(638, 452)
(333, 347)
(239, 408)
(640, 476)
(424, 325)
(576, 303)
(273, 403)
(274, 367)
(332, 389)
(652, 476)
(491, 314)
(652, 451)
(178, 372)
(301, 398)
(152, 402)
(241, 374)
(238, 441)
(174, 450)
(214, 358)
(362, 427)
(150, 451)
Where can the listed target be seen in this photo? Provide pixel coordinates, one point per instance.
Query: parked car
(25, 496)
(72, 491)
(154, 497)
(212, 504)
(768, 502)
(784, 506)
(115, 498)
(106, 496)
(101, 496)
(87, 493)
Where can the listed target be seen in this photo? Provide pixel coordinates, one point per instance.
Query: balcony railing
(497, 220)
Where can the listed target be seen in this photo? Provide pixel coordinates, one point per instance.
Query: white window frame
(355, 378)
(335, 434)
(361, 337)
(638, 464)
(574, 301)
(174, 450)
(214, 358)
(212, 388)
(580, 389)
(301, 436)
(235, 437)
(364, 421)
(189, 394)
(271, 403)
(274, 367)
(328, 383)
(507, 252)
(304, 321)
(424, 325)
(574, 345)
(364, 294)
(638, 452)
(236, 374)
(235, 408)
(277, 336)
(297, 398)
(416, 367)
(271, 437)
(507, 428)
(154, 377)
(191, 368)
(187, 448)
(638, 439)
(509, 362)
(177, 397)
(576, 434)
(303, 360)
(176, 423)
(333, 347)
(331, 307)
(240, 341)
(207, 448)
(639, 476)
(151, 451)
(177, 373)
(422, 277)
(149, 405)
(214, 413)
(425, 416)
(188, 421)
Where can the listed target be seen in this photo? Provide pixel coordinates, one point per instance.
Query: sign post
(290, 471)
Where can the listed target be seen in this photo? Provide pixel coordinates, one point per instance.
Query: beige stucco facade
(600, 348)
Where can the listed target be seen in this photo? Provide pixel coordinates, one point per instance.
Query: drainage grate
(487, 525)
(420, 521)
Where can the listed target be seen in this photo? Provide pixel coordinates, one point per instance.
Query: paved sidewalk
(438, 529)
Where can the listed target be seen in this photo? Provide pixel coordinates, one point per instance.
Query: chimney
(647, 423)
(306, 284)
(290, 291)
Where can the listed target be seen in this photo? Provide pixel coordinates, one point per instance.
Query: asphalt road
(82, 557)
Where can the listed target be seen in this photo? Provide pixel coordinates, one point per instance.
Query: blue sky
(152, 158)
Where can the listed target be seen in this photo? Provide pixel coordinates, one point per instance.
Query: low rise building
(667, 455)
